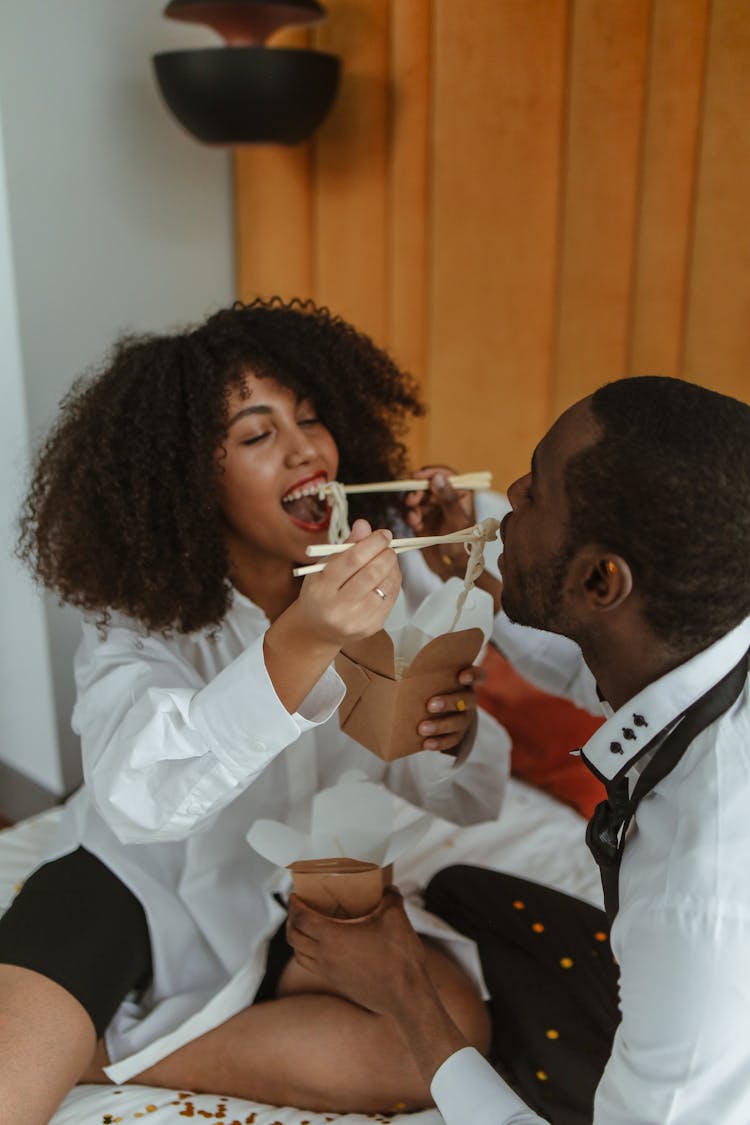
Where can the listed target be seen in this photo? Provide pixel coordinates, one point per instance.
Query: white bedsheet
(535, 837)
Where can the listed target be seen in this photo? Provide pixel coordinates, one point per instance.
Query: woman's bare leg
(46, 1041)
(317, 1051)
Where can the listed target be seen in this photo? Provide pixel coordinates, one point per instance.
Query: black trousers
(552, 980)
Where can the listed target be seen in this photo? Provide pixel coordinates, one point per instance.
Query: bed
(536, 836)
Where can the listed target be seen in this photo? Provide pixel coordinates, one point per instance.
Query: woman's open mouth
(306, 507)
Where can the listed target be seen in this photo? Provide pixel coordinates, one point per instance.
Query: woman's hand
(439, 510)
(348, 600)
(352, 596)
(451, 714)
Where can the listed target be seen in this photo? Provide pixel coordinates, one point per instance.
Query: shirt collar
(625, 735)
(241, 602)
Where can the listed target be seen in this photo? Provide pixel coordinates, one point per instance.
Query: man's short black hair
(668, 488)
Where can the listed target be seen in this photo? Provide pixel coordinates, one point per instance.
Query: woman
(171, 502)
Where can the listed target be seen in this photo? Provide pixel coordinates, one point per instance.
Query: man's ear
(606, 580)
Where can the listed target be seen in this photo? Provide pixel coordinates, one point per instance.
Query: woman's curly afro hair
(122, 512)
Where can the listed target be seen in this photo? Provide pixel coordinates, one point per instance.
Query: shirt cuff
(321, 702)
(240, 715)
(466, 1088)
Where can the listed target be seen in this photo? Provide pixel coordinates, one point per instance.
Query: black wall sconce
(245, 92)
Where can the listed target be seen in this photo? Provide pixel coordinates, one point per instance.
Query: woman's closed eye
(256, 438)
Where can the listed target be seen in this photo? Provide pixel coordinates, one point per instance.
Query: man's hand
(439, 510)
(375, 961)
(379, 963)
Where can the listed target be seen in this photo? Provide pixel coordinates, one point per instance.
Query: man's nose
(518, 489)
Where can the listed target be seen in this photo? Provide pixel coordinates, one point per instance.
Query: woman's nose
(301, 447)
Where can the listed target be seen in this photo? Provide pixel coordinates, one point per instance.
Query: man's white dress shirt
(185, 744)
(681, 1055)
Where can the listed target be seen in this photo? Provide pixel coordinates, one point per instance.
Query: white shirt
(185, 743)
(681, 1055)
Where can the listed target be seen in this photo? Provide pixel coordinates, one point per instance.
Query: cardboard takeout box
(340, 887)
(384, 702)
(352, 824)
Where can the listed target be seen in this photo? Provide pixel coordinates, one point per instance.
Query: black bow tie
(607, 829)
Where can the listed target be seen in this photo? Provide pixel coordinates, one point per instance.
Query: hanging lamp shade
(245, 92)
(245, 23)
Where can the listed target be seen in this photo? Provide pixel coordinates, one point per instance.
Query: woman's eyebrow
(248, 410)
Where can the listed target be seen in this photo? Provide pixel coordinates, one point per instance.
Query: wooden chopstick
(467, 481)
(414, 543)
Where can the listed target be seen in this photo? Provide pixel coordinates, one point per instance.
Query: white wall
(28, 734)
(118, 221)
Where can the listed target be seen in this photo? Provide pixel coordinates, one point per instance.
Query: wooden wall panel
(498, 102)
(351, 201)
(409, 197)
(273, 209)
(606, 72)
(717, 349)
(674, 103)
(520, 202)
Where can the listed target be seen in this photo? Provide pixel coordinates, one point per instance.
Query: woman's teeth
(306, 490)
(306, 505)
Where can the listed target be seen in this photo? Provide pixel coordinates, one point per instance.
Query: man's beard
(535, 599)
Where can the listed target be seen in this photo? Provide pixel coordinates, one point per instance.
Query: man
(631, 537)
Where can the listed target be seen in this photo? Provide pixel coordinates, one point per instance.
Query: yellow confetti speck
(600, 935)
(566, 962)
(542, 1075)
(518, 905)
(151, 1109)
(538, 927)
(552, 1034)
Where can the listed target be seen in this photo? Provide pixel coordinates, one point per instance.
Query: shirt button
(260, 746)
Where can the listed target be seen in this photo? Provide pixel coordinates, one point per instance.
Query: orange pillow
(543, 730)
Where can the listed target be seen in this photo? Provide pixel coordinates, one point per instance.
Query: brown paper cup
(340, 888)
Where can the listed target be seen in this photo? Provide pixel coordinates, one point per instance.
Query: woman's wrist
(295, 658)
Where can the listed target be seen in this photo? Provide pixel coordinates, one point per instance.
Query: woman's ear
(607, 580)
